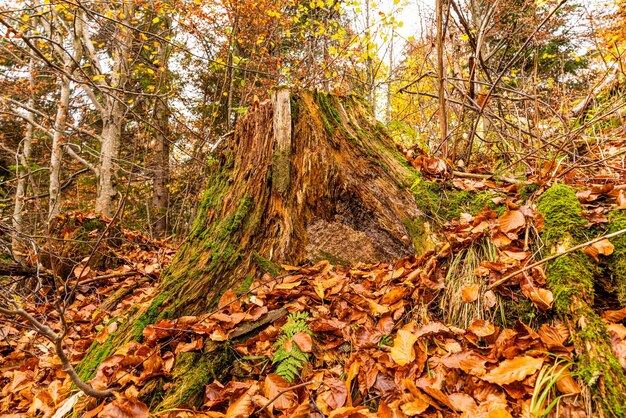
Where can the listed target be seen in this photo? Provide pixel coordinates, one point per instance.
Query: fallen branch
(248, 327)
(57, 341)
(552, 257)
(109, 276)
(486, 177)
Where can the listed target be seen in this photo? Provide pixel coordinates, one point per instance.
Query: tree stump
(306, 176)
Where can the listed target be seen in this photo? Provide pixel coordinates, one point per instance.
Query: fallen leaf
(602, 247)
(337, 395)
(402, 351)
(513, 370)
(125, 408)
(469, 293)
(242, 407)
(304, 341)
(614, 316)
(511, 221)
(272, 386)
(415, 407)
(481, 328)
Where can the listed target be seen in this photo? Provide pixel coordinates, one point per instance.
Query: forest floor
(465, 329)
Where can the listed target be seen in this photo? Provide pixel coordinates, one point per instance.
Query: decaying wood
(305, 176)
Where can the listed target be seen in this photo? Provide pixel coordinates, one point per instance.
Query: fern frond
(289, 363)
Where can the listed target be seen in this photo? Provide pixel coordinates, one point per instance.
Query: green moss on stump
(266, 265)
(192, 372)
(617, 260)
(571, 279)
(561, 211)
(448, 204)
(88, 367)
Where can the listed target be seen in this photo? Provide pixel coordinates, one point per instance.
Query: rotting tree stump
(306, 176)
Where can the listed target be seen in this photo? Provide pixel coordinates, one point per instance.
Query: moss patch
(96, 354)
(561, 211)
(266, 265)
(447, 204)
(192, 372)
(571, 279)
(617, 261)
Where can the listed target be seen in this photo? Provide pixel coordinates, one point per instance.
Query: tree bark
(160, 193)
(443, 116)
(23, 173)
(305, 177)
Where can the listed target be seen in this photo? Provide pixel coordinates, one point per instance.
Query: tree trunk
(305, 177)
(160, 193)
(443, 115)
(23, 173)
(109, 148)
(56, 157)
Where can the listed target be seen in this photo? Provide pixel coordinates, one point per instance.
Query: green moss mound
(571, 280)
(447, 204)
(617, 260)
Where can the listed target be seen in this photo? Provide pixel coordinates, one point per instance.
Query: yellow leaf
(414, 408)
(156, 20)
(402, 351)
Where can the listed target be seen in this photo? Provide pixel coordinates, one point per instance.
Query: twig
(552, 257)
(282, 392)
(108, 276)
(486, 177)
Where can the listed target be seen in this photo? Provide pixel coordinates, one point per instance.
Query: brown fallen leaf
(481, 328)
(304, 341)
(243, 407)
(602, 247)
(272, 386)
(125, 408)
(513, 370)
(337, 395)
(415, 407)
(614, 316)
(511, 221)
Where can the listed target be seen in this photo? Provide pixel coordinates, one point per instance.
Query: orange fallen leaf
(511, 221)
(481, 328)
(402, 351)
(415, 407)
(602, 247)
(614, 316)
(513, 370)
(304, 341)
(469, 293)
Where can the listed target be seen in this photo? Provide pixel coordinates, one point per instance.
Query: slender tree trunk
(443, 117)
(109, 150)
(113, 119)
(160, 193)
(371, 76)
(56, 157)
(388, 110)
(23, 172)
